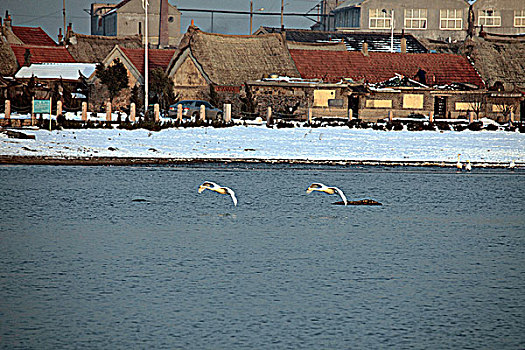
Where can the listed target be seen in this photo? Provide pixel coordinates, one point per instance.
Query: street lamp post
(392, 33)
(145, 3)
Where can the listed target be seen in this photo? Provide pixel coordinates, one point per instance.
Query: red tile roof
(332, 66)
(33, 36)
(42, 54)
(156, 58)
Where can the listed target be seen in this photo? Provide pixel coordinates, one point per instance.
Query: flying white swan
(330, 190)
(212, 186)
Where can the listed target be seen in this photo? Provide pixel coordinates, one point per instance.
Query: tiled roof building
(374, 67)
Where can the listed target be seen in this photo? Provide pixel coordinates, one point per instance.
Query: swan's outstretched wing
(341, 194)
(232, 194)
(207, 185)
(316, 186)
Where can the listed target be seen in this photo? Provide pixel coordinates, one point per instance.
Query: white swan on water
(212, 186)
(459, 166)
(330, 190)
(468, 166)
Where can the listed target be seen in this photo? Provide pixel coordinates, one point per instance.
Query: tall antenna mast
(64, 14)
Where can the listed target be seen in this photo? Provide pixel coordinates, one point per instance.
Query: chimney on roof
(60, 36)
(164, 36)
(7, 20)
(364, 50)
(69, 29)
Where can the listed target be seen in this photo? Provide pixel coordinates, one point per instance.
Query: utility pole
(64, 14)
(251, 16)
(282, 14)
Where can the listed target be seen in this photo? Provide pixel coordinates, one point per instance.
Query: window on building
(451, 19)
(380, 19)
(416, 18)
(519, 18)
(489, 18)
(348, 18)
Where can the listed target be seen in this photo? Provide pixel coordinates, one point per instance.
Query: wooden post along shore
(431, 117)
(84, 111)
(156, 112)
(132, 112)
(7, 109)
(227, 112)
(390, 116)
(350, 114)
(269, 116)
(59, 108)
(179, 112)
(203, 112)
(309, 115)
(108, 111)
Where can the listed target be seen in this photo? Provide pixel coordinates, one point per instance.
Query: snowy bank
(337, 144)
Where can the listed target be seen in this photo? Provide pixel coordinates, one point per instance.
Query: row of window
(449, 19)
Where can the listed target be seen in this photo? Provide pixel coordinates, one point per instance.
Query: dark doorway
(353, 104)
(440, 106)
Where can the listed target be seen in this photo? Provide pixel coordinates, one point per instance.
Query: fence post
(390, 116)
(227, 112)
(132, 111)
(156, 112)
(33, 117)
(431, 117)
(203, 112)
(309, 115)
(350, 114)
(269, 116)
(7, 109)
(59, 108)
(511, 117)
(470, 117)
(108, 111)
(84, 111)
(179, 112)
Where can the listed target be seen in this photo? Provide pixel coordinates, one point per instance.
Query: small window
(451, 19)
(416, 18)
(519, 18)
(489, 18)
(380, 19)
(140, 28)
(171, 19)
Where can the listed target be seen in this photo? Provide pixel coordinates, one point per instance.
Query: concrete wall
(433, 30)
(129, 20)
(506, 10)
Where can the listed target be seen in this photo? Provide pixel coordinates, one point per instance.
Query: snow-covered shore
(338, 144)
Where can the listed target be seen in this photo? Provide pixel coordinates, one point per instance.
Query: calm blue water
(441, 265)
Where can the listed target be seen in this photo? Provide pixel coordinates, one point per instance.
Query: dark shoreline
(126, 161)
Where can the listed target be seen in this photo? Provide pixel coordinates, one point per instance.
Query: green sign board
(41, 106)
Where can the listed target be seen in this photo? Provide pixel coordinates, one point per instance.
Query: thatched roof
(8, 64)
(498, 60)
(235, 59)
(94, 48)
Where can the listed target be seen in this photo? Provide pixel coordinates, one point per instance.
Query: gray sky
(48, 14)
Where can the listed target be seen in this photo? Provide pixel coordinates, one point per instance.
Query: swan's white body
(468, 166)
(212, 186)
(512, 165)
(459, 166)
(330, 190)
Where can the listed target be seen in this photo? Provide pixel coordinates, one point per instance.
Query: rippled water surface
(134, 257)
